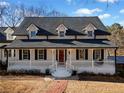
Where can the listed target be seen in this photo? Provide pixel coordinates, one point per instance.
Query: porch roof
(62, 43)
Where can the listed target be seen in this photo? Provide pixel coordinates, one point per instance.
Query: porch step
(61, 72)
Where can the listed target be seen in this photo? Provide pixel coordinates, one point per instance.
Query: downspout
(115, 61)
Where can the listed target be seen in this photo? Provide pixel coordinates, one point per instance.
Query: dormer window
(33, 33)
(61, 30)
(32, 30)
(89, 30)
(90, 33)
(61, 33)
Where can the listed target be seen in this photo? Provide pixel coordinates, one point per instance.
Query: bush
(74, 72)
(47, 72)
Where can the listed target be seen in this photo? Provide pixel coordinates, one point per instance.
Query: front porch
(64, 57)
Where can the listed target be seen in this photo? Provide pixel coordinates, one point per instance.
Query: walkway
(58, 86)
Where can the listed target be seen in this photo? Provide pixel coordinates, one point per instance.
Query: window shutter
(86, 54)
(45, 54)
(36, 55)
(29, 54)
(57, 55)
(102, 54)
(77, 54)
(65, 55)
(20, 54)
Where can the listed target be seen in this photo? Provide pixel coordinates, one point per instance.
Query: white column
(92, 58)
(30, 57)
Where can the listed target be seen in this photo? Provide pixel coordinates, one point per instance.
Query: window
(32, 33)
(98, 54)
(61, 33)
(9, 53)
(90, 33)
(26, 54)
(82, 54)
(5, 53)
(40, 54)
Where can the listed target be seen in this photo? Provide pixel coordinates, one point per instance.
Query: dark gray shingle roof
(84, 43)
(2, 34)
(48, 25)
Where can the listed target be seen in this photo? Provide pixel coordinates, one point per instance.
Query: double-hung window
(40, 54)
(98, 54)
(90, 33)
(82, 54)
(25, 54)
(61, 33)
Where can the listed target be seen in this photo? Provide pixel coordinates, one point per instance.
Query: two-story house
(62, 45)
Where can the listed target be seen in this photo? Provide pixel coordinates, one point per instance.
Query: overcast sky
(114, 12)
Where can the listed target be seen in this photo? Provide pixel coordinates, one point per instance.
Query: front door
(61, 56)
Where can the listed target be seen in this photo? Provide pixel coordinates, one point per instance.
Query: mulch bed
(102, 78)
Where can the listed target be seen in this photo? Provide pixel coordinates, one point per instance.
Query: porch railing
(29, 63)
(93, 64)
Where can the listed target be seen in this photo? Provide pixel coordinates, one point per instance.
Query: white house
(61, 44)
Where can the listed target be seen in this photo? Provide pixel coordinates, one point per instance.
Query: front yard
(39, 84)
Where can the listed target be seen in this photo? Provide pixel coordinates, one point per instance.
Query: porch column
(92, 58)
(30, 50)
(53, 55)
(115, 61)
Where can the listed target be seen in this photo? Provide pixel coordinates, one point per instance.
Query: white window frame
(83, 54)
(91, 32)
(96, 51)
(26, 54)
(30, 35)
(40, 54)
(60, 34)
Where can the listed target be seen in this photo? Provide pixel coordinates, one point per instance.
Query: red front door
(61, 56)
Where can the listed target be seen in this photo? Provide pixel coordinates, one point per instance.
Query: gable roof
(49, 24)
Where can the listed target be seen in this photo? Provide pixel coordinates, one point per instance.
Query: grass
(37, 84)
(94, 87)
(25, 84)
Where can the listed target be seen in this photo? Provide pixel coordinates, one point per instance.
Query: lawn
(39, 84)
(25, 84)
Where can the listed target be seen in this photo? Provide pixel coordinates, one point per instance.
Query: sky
(114, 13)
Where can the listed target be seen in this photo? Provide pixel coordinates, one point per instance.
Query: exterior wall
(49, 55)
(66, 37)
(101, 37)
(97, 37)
(51, 58)
(21, 37)
(57, 37)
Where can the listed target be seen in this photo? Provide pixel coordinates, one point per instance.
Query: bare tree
(3, 7)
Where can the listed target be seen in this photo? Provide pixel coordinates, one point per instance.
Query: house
(61, 45)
